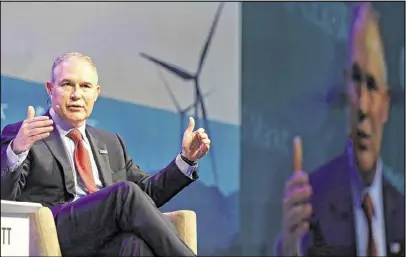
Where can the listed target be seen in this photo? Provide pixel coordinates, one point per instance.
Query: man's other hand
(32, 129)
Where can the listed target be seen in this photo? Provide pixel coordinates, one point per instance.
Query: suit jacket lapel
(341, 207)
(56, 146)
(340, 226)
(100, 155)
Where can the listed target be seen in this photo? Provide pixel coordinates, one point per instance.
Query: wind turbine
(181, 111)
(195, 77)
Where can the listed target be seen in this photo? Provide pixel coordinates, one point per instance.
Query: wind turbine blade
(208, 93)
(176, 70)
(182, 120)
(171, 94)
(209, 38)
(193, 105)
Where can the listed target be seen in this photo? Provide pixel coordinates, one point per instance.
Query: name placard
(15, 227)
(15, 235)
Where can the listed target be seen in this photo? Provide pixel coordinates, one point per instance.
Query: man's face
(74, 90)
(368, 95)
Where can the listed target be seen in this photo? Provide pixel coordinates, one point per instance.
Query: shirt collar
(359, 188)
(63, 127)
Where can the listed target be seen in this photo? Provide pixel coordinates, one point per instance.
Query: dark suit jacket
(46, 176)
(332, 225)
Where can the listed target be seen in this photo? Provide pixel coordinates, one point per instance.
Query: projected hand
(296, 207)
(195, 144)
(32, 129)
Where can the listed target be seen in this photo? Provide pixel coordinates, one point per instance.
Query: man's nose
(361, 115)
(77, 93)
(364, 102)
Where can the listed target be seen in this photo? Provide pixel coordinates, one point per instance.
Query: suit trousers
(117, 220)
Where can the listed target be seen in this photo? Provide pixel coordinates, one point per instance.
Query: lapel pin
(102, 151)
(395, 248)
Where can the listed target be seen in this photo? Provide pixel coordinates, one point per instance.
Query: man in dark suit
(103, 204)
(347, 207)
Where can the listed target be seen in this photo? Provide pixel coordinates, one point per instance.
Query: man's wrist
(14, 160)
(16, 152)
(185, 159)
(291, 249)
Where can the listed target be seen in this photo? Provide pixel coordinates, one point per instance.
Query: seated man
(103, 204)
(347, 207)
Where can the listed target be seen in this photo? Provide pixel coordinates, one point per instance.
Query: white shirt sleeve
(15, 160)
(184, 167)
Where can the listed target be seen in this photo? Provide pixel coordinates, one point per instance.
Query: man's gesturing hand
(32, 129)
(195, 144)
(296, 207)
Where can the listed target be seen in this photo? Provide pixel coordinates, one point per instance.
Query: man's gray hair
(362, 13)
(66, 56)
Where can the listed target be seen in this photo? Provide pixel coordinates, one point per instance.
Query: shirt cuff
(15, 160)
(184, 167)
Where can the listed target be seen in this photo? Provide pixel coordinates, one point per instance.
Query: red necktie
(82, 161)
(368, 208)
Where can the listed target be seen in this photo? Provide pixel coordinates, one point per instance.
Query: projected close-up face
(367, 90)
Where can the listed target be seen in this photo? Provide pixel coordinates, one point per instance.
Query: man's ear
(386, 104)
(48, 87)
(98, 92)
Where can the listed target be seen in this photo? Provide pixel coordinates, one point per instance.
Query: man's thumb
(297, 154)
(30, 112)
(191, 125)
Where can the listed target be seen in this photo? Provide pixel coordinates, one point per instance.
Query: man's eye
(371, 84)
(356, 74)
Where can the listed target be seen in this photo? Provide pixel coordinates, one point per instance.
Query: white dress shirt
(359, 189)
(14, 161)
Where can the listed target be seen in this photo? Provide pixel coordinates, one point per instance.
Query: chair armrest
(44, 239)
(185, 223)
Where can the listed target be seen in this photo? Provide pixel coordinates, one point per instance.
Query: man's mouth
(75, 106)
(362, 135)
(363, 140)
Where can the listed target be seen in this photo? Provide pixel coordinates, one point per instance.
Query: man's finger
(195, 140)
(38, 131)
(298, 179)
(30, 112)
(38, 118)
(203, 135)
(191, 125)
(40, 136)
(200, 130)
(301, 229)
(40, 123)
(206, 141)
(297, 214)
(204, 148)
(297, 196)
(297, 154)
